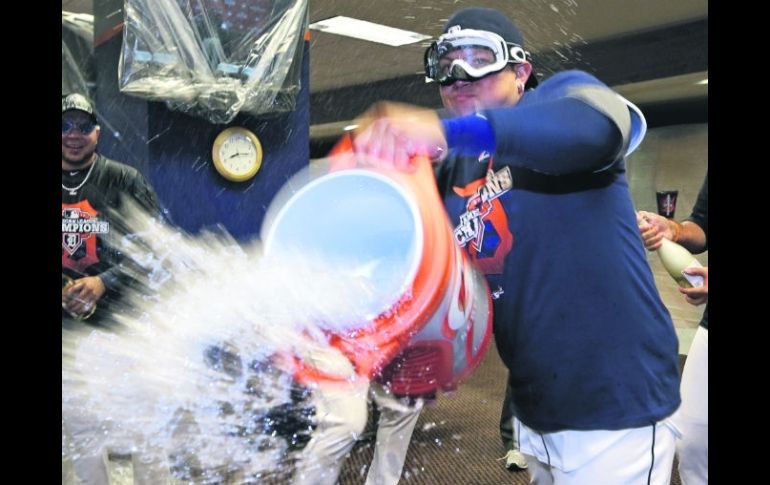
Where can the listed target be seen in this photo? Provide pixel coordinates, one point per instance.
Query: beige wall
(671, 158)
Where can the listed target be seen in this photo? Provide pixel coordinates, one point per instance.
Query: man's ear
(523, 70)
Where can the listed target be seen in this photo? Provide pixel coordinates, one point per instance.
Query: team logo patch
(483, 228)
(80, 226)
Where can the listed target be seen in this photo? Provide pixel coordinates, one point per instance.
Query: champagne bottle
(675, 259)
(66, 282)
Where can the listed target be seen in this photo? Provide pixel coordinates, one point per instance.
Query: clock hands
(238, 153)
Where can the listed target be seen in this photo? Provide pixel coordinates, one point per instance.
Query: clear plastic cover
(214, 58)
(77, 40)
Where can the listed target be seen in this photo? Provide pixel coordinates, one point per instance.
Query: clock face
(237, 154)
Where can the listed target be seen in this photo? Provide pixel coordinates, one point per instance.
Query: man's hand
(390, 134)
(80, 296)
(653, 229)
(699, 295)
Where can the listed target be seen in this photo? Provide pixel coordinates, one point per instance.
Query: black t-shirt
(700, 216)
(92, 222)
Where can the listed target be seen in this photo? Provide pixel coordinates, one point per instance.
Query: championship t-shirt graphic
(483, 230)
(80, 227)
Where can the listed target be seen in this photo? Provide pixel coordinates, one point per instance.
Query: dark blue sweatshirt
(546, 213)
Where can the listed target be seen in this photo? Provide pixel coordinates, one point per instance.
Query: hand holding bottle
(79, 296)
(700, 294)
(658, 234)
(653, 228)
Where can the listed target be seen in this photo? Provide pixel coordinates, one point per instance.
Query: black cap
(78, 102)
(490, 20)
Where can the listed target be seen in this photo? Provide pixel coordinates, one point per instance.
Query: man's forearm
(689, 235)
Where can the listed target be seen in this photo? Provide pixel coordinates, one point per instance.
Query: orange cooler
(432, 308)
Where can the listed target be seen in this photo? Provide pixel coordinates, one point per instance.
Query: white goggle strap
(517, 54)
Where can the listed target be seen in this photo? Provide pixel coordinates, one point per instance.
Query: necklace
(74, 190)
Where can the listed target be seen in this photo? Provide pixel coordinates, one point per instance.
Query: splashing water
(195, 374)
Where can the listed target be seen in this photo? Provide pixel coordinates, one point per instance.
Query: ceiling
(651, 51)
(336, 61)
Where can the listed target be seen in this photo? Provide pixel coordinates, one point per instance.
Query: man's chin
(465, 108)
(77, 162)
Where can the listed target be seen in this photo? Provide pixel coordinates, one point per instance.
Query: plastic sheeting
(77, 39)
(214, 58)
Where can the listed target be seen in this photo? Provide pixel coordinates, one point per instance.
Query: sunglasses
(84, 127)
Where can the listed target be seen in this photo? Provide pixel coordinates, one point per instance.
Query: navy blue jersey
(549, 218)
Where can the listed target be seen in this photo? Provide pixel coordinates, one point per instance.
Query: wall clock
(237, 154)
